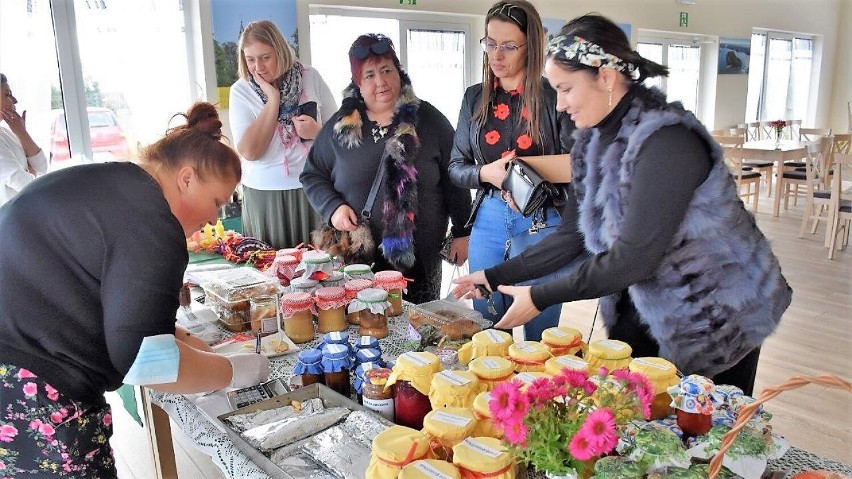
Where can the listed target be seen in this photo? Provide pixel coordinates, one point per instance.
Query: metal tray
(330, 398)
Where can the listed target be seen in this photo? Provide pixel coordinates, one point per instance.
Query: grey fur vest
(719, 290)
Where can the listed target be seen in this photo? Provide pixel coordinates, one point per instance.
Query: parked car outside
(109, 142)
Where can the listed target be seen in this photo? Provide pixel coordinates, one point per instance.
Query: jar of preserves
(429, 469)
(376, 394)
(331, 303)
(484, 457)
(491, 370)
(337, 337)
(358, 381)
(562, 340)
(528, 356)
(352, 288)
(317, 265)
(336, 365)
(453, 389)
(662, 374)
(484, 423)
(692, 399)
(336, 279)
(263, 311)
(554, 366)
(447, 427)
(295, 252)
(309, 367)
(284, 267)
(395, 284)
(395, 448)
(412, 375)
(368, 342)
(297, 310)
(609, 353)
(490, 342)
(357, 271)
(368, 356)
(305, 285)
(371, 303)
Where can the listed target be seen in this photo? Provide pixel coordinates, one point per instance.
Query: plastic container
(562, 340)
(447, 427)
(395, 284)
(309, 367)
(489, 342)
(263, 311)
(662, 374)
(481, 457)
(609, 353)
(455, 321)
(484, 423)
(453, 389)
(430, 469)
(352, 288)
(395, 448)
(529, 356)
(371, 304)
(554, 366)
(412, 374)
(297, 311)
(229, 294)
(376, 394)
(331, 303)
(336, 365)
(491, 370)
(358, 271)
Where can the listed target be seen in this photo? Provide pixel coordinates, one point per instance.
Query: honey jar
(297, 310)
(453, 389)
(662, 375)
(372, 304)
(447, 427)
(331, 303)
(484, 423)
(430, 469)
(554, 366)
(352, 288)
(479, 457)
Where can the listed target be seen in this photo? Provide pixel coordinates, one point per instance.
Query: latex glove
(249, 369)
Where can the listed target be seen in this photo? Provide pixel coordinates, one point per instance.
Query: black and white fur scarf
(400, 184)
(719, 290)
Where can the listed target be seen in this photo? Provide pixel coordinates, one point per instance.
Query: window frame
(808, 114)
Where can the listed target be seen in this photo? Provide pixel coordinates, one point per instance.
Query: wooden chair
(793, 129)
(841, 203)
(752, 130)
(817, 186)
(842, 143)
(796, 180)
(733, 151)
(813, 134)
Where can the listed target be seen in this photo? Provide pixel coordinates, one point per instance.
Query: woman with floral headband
(679, 265)
(382, 128)
(511, 113)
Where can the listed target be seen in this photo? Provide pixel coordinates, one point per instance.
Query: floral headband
(584, 52)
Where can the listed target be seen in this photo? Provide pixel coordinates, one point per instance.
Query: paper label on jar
(382, 406)
(490, 364)
(335, 336)
(448, 418)
(558, 333)
(336, 348)
(526, 378)
(269, 325)
(454, 378)
(645, 362)
(430, 471)
(611, 345)
(494, 336)
(482, 448)
(369, 354)
(525, 347)
(416, 359)
(365, 340)
(572, 362)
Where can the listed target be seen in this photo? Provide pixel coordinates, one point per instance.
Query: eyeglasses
(489, 46)
(382, 46)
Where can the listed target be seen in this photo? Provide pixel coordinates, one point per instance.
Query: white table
(765, 150)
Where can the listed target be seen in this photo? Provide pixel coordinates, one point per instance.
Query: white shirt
(14, 175)
(268, 171)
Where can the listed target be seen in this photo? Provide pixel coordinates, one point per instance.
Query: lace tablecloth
(215, 443)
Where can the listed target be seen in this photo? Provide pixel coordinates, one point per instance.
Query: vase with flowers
(779, 126)
(562, 424)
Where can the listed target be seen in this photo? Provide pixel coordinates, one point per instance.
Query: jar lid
(554, 366)
(367, 342)
(483, 455)
(372, 295)
(297, 300)
(330, 293)
(310, 356)
(492, 367)
(351, 269)
(357, 284)
(377, 376)
(286, 259)
(335, 351)
(334, 277)
(694, 394)
(610, 349)
(527, 377)
(655, 369)
(529, 351)
(492, 336)
(416, 368)
(400, 444)
(336, 337)
(481, 404)
(454, 380)
(390, 279)
(362, 368)
(429, 469)
(449, 424)
(316, 257)
(562, 336)
(367, 355)
(303, 283)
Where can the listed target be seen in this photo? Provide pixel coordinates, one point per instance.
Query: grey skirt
(281, 218)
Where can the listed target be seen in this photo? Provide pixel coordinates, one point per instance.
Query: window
(684, 61)
(779, 82)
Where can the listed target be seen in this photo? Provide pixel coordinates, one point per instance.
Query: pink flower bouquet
(779, 126)
(560, 424)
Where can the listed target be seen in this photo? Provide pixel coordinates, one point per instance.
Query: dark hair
(197, 143)
(524, 15)
(604, 32)
(3, 78)
(365, 48)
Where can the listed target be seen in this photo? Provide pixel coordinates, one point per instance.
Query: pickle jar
(376, 395)
(554, 366)
(297, 310)
(662, 374)
(412, 375)
(609, 353)
(336, 279)
(562, 340)
(372, 303)
(484, 457)
(309, 367)
(490, 342)
(305, 285)
(447, 427)
(317, 265)
(358, 271)
(331, 303)
(485, 425)
(430, 469)
(491, 370)
(395, 284)
(336, 365)
(528, 356)
(263, 311)
(393, 449)
(352, 288)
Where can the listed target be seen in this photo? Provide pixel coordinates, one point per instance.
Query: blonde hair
(265, 32)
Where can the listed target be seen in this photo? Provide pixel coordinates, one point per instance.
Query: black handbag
(529, 189)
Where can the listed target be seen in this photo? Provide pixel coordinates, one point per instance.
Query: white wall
(842, 92)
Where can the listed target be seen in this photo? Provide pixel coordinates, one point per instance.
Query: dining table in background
(778, 153)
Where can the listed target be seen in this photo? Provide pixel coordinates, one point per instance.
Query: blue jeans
(498, 232)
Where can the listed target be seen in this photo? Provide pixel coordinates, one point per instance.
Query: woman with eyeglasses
(276, 110)
(512, 113)
(681, 269)
(384, 129)
(21, 159)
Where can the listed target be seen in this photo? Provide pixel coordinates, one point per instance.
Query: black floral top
(504, 130)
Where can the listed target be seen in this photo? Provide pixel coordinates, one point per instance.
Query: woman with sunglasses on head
(679, 265)
(512, 113)
(276, 110)
(384, 129)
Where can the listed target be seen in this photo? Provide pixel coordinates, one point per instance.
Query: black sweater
(673, 163)
(92, 263)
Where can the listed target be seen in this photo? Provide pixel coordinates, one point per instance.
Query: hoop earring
(609, 102)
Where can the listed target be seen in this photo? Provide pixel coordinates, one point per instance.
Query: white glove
(249, 369)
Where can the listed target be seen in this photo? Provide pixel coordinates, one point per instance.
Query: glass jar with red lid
(297, 310)
(395, 284)
(412, 375)
(331, 303)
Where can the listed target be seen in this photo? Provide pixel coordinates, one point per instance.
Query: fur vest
(719, 290)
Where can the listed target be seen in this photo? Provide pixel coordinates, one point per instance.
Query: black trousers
(630, 329)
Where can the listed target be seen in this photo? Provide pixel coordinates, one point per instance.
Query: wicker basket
(828, 380)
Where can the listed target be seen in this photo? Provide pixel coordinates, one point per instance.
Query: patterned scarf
(290, 85)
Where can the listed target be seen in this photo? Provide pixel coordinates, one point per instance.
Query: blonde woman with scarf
(276, 110)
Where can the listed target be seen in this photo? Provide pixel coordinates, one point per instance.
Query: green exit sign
(408, 2)
(684, 18)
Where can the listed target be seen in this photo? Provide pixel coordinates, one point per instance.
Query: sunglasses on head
(380, 47)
